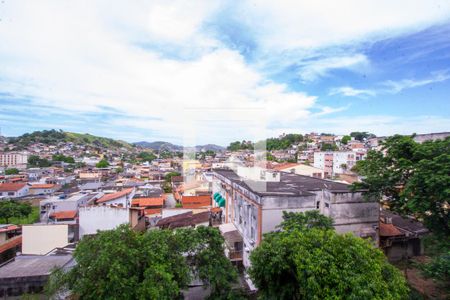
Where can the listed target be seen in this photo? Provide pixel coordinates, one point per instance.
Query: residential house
(39, 239)
(95, 218)
(335, 162)
(196, 201)
(43, 189)
(401, 237)
(300, 169)
(13, 190)
(151, 206)
(119, 198)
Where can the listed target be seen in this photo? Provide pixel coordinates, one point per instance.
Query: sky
(197, 72)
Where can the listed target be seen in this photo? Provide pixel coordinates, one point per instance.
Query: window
(327, 205)
(318, 204)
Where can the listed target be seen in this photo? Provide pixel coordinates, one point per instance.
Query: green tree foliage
(306, 220)
(12, 171)
(244, 145)
(414, 179)
(146, 156)
(63, 158)
(345, 139)
(360, 136)
(439, 268)
(102, 164)
(309, 260)
(328, 147)
(13, 209)
(36, 161)
(158, 264)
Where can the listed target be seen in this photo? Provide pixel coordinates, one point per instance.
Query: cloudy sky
(216, 71)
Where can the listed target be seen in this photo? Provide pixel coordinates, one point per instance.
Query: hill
(54, 137)
(172, 147)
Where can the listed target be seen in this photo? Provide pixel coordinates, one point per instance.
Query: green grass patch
(32, 218)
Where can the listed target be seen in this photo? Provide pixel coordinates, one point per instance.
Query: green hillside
(53, 137)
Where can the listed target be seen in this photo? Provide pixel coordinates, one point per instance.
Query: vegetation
(14, 211)
(413, 178)
(12, 171)
(37, 162)
(361, 136)
(244, 145)
(167, 185)
(102, 164)
(63, 158)
(328, 147)
(345, 139)
(309, 260)
(158, 264)
(53, 137)
(146, 156)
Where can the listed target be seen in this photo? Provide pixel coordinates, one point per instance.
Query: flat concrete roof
(289, 185)
(33, 265)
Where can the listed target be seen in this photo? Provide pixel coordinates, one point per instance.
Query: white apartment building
(13, 160)
(336, 162)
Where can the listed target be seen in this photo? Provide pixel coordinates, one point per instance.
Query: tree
(12, 171)
(412, 178)
(328, 147)
(146, 156)
(102, 164)
(13, 209)
(158, 264)
(346, 139)
(308, 260)
(62, 157)
(361, 136)
(36, 161)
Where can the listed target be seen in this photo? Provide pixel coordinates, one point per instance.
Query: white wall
(41, 239)
(93, 218)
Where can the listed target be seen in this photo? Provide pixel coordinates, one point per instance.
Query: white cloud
(349, 91)
(85, 56)
(395, 87)
(290, 24)
(311, 70)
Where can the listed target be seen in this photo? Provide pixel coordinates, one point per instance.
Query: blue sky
(198, 72)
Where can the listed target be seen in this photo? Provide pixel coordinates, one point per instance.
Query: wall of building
(41, 239)
(93, 218)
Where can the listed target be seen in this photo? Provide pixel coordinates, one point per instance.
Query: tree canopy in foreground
(158, 264)
(311, 261)
(413, 177)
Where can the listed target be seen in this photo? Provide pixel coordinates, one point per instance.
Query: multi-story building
(13, 160)
(336, 162)
(255, 205)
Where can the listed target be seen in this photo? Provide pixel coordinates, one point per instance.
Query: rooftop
(27, 266)
(289, 185)
(113, 196)
(11, 187)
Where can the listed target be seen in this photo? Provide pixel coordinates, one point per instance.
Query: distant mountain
(211, 147)
(159, 145)
(54, 137)
(172, 147)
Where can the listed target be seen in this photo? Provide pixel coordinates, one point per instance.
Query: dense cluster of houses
(228, 190)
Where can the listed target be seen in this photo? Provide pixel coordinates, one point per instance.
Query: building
(400, 237)
(61, 203)
(95, 218)
(151, 206)
(120, 198)
(255, 207)
(300, 169)
(30, 273)
(13, 190)
(336, 162)
(196, 201)
(39, 239)
(43, 188)
(13, 160)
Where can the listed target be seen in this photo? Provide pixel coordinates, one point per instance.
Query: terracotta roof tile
(159, 201)
(42, 186)
(196, 201)
(65, 214)
(11, 187)
(389, 230)
(113, 196)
